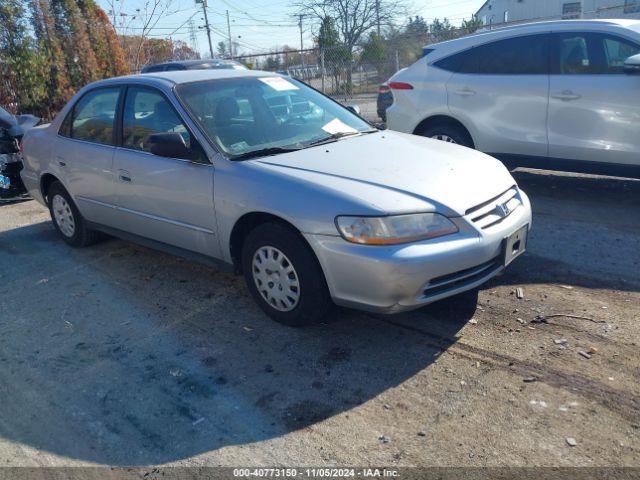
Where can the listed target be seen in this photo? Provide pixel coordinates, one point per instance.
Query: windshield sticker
(239, 147)
(338, 126)
(278, 83)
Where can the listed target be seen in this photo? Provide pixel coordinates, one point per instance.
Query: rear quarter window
(462, 62)
(427, 51)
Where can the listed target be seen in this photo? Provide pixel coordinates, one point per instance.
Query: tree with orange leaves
(104, 42)
(71, 28)
(56, 80)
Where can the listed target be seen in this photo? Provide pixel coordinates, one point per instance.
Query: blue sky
(260, 25)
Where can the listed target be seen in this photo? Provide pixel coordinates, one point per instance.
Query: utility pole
(206, 24)
(378, 17)
(229, 35)
(301, 42)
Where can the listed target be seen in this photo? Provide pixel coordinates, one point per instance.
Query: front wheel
(448, 133)
(283, 276)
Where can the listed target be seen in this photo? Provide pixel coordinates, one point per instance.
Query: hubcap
(276, 279)
(444, 138)
(63, 216)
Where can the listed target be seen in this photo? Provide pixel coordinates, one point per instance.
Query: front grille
(494, 211)
(453, 281)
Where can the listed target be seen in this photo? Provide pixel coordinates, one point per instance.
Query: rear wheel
(283, 276)
(67, 219)
(449, 133)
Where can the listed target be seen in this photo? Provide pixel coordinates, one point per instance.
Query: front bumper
(405, 277)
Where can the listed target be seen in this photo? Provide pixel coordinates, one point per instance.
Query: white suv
(558, 95)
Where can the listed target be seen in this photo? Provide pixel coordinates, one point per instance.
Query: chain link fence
(338, 71)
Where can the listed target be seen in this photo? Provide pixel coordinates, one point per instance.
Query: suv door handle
(124, 176)
(465, 92)
(566, 95)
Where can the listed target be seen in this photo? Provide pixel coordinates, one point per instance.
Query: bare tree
(354, 18)
(138, 22)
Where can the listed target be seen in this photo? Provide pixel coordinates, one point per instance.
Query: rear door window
(528, 55)
(94, 116)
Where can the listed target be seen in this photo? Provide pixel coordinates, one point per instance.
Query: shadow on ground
(121, 355)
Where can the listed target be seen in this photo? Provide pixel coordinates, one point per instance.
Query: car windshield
(250, 116)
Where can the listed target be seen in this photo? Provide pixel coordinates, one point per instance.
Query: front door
(594, 107)
(165, 199)
(502, 91)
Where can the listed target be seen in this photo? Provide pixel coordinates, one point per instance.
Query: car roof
(184, 76)
(199, 61)
(196, 62)
(533, 27)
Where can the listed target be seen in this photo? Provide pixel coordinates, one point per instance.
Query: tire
(284, 276)
(66, 218)
(448, 132)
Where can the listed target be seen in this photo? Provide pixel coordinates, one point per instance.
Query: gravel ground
(117, 354)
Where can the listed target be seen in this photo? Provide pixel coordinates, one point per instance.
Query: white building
(495, 12)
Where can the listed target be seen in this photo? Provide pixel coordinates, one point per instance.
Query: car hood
(449, 177)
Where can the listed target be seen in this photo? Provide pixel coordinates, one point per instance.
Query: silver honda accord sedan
(269, 177)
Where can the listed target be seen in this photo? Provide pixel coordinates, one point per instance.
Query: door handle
(124, 176)
(465, 92)
(566, 95)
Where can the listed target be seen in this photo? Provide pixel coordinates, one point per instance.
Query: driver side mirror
(171, 145)
(632, 65)
(354, 109)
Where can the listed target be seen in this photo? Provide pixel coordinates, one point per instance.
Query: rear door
(84, 151)
(166, 199)
(594, 108)
(501, 93)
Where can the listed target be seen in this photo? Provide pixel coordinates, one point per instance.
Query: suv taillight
(400, 86)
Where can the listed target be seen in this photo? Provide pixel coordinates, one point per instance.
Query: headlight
(394, 229)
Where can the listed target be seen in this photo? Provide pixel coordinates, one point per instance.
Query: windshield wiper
(334, 137)
(265, 152)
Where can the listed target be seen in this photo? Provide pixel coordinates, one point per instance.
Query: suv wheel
(283, 276)
(67, 219)
(449, 134)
